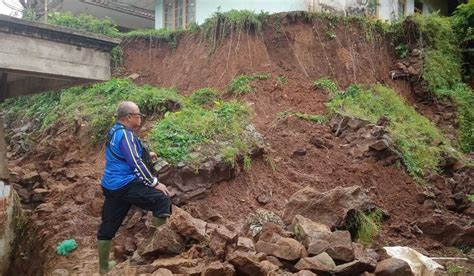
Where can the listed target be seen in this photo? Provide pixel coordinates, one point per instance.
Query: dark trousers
(118, 202)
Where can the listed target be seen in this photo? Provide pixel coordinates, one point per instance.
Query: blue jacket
(123, 160)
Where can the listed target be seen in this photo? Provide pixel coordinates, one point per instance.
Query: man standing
(127, 181)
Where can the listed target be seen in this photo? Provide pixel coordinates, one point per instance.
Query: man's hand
(153, 156)
(162, 187)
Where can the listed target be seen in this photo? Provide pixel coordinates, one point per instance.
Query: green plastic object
(66, 247)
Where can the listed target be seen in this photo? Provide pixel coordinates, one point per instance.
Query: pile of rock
(190, 246)
(365, 140)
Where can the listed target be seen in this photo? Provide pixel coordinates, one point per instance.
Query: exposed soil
(301, 52)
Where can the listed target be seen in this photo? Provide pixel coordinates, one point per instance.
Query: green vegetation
(443, 71)
(94, 105)
(418, 140)
(241, 84)
(470, 197)
(463, 23)
(320, 119)
(84, 22)
(326, 84)
(453, 269)
(402, 50)
(368, 225)
(219, 130)
(221, 24)
(282, 79)
(205, 96)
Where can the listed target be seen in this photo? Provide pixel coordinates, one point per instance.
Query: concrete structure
(36, 57)
(174, 14)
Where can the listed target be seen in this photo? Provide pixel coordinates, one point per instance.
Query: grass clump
(242, 83)
(210, 132)
(368, 225)
(205, 96)
(282, 79)
(326, 84)
(419, 141)
(95, 105)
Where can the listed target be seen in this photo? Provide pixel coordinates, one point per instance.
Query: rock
(308, 231)
(30, 178)
(271, 229)
(45, 207)
(317, 246)
(71, 158)
(246, 263)
(317, 264)
(245, 244)
(264, 199)
(329, 208)
(449, 231)
(274, 261)
(39, 195)
(355, 267)
(162, 241)
(393, 267)
(193, 271)
(162, 272)
(60, 272)
(319, 142)
(283, 248)
(184, 224)
(176, 263)
(219, 269)
(70, 175)
(380, 145)
(299, 152)
(219, 239)
(326, 259)
(268, 267)
(340, 246)
(366, 257)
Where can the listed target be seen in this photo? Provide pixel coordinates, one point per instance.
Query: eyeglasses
(138, 114)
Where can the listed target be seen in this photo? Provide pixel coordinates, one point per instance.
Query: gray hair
(125, 108)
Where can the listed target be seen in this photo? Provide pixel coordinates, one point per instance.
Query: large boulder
(283, 248)
(184, 224)
(162, 241)
(329, 208)
(393, 267)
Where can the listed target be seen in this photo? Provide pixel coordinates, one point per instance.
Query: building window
(419, 6)
(402, 8)
(178, 14)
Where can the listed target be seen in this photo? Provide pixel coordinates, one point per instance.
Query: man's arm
(133, 159)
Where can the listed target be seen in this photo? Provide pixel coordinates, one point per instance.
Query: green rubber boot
(105, 265)
(157, 222)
